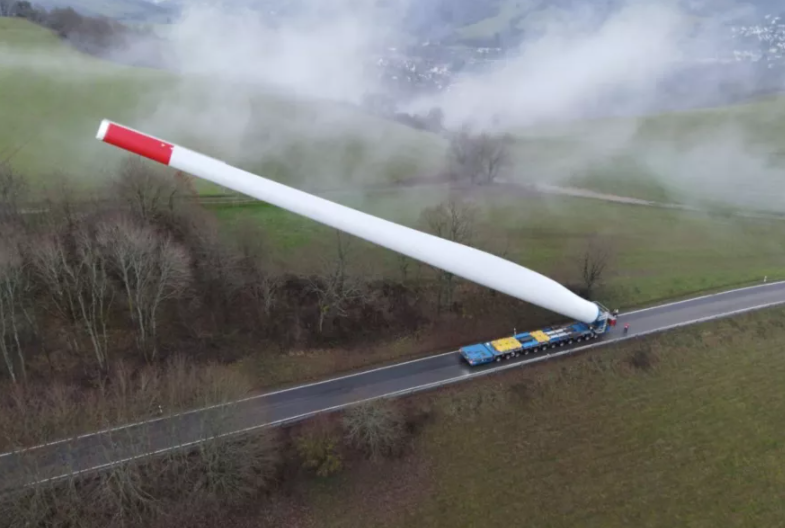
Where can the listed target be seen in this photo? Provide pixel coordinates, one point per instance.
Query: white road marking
(419, 388)
(704, 297)
(360, 373)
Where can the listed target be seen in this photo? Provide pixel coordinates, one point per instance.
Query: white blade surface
(471, 264)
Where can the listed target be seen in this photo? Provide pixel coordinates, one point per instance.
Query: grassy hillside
(659, 253)
(731, 153)
(508, 10)
(590, 441)
(54, 98)
(130, 11)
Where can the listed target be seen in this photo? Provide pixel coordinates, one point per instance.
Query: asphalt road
(106, 448)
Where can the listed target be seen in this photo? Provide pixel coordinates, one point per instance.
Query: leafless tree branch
(336, 286)
(478, 158)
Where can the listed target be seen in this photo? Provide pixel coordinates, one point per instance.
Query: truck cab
(605, 320)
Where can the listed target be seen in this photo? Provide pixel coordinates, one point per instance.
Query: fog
(639, 61)
(576, 67)
(284, 94)
(252, 89)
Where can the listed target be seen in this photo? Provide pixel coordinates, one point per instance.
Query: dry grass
(183, 488)
(36, 414)
(688, 437)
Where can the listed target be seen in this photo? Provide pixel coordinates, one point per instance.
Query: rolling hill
(128, 11)
(54, 99)
(466, 21)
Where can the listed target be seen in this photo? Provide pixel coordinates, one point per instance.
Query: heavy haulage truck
(538, 340)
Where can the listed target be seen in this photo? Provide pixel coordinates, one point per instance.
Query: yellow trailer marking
(540, 336)
(506, 344)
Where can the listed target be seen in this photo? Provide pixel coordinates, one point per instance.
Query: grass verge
(659, 253)
(676, 429)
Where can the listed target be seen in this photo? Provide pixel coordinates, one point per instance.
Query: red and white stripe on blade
(464, 261)
(135, 141)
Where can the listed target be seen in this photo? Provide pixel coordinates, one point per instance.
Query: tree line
(98, 36)
(475, 157)
(146, 271)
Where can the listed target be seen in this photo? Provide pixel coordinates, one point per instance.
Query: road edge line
(411, 390)
(330, 380)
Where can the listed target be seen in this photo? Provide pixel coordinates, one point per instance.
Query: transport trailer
(538, 340)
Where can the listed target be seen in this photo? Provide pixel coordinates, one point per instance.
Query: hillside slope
(128, 11)
(54, 99)
(728, 155)
(466, 20)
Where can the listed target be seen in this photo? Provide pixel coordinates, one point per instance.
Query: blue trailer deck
(529, 343)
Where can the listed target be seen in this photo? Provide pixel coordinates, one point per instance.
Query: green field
(484, 29)
(660, 253)
(128, 11)
(524, 15)
(716, 155)
(53, 100)
(591, 441)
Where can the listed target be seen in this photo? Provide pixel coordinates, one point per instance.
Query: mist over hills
(428, 19)
(723, 51)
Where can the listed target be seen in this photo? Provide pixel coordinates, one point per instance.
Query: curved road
(104, 449)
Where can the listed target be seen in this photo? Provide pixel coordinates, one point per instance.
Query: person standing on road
(626, 328)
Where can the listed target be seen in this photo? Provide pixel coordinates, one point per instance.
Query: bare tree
(261, 281)
(74, 272)
(215, 265)
(454, 220)
(8, 8)
(593, 264)
(152, 268)
(317, 444)
(15, 311)
(478, 158)
(335, 286)
(376, 427)
(13, 189)
(148, 193)
(404, 264)
(435, 119)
